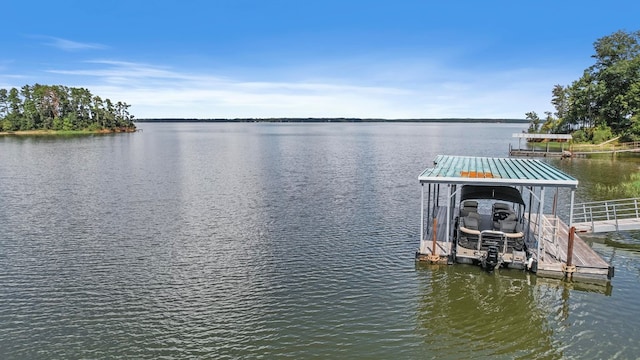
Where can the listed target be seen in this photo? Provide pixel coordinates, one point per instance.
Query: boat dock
(587, 265)
(572, 150)
(541, 138)
(462, 222)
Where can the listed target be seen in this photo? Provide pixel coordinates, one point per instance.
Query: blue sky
(309, 58)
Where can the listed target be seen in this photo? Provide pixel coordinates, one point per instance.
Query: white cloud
(155, 91)
(70, 45)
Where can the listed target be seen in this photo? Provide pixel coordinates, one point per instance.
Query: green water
(229, 241)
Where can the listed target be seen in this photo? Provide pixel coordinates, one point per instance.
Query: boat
(491, 238)
(502, 213)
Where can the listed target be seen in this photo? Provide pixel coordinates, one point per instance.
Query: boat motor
(491, 260)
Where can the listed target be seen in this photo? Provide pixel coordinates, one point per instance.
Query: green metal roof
(499, 171)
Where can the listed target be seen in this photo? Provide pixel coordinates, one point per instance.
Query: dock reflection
(465, 312)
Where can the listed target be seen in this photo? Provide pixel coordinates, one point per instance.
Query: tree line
(605, 101)
(57, 107)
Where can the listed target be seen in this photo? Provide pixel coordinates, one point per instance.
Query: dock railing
(609, 210)
(550, 231)
(606, 147)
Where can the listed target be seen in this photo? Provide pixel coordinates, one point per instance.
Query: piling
(568, 269)
(434, 257)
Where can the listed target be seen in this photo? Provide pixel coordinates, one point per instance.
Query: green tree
(616, 75)
(534, 122)
(551, 124)
(4, 102)
(60, 108)
(560, 100)
(607, 96)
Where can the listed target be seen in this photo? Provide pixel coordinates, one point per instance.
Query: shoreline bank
(66, 132)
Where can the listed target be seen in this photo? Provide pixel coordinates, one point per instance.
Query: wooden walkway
(578, 150)
(608, 226)
(538, 153)
(607, 216)
(589, 266)
(566, 153)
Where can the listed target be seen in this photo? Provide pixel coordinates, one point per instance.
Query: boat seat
(470, 203)
(470, 222)
(502, 215)
(474, 214)
(508, 226)
(465, 211)
(500, 206)
(468, 206)
(498, 219)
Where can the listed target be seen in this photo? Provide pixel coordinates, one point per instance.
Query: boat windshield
(484, 192)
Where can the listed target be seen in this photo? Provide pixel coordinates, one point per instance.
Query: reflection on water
(603, 170)
(483, 315)
(275, 241)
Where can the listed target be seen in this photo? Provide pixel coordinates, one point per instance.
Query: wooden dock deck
(565, 153)
(608, 225)
(589, 266)
(538, 153)
(574, 150)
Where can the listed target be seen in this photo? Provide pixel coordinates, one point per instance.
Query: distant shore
(327, 120)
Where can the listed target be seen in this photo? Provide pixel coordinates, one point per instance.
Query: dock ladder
(550, 231)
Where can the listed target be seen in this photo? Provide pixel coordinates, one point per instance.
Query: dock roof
(497, 171)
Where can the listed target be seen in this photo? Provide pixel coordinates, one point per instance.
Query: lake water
(276, 241)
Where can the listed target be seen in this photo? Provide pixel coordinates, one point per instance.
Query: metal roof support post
(448, 212)
(429, 204)
(529, 190)
(573, 193)
(421, 212)
(540, 229)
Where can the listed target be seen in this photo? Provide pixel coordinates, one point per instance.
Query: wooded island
(61, 108)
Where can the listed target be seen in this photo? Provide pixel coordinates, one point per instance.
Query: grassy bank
(629, 188)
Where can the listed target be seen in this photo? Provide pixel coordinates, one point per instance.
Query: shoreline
(66, 132)
(329, 120)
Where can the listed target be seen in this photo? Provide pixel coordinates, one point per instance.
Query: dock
(541, 153)
(489, 212)
(589, 266)
(541, 138)
(572, 150)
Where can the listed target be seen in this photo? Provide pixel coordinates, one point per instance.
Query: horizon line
(329, 119)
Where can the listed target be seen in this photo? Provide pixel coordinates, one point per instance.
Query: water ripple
(263, 241)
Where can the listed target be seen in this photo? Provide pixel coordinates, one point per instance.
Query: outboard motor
(491, 261)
